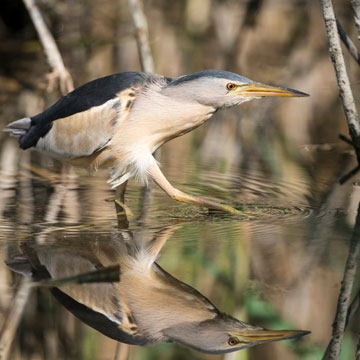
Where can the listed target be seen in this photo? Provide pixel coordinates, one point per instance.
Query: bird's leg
(156, 244)
(120, 193)
(121, 208)
(178, 195)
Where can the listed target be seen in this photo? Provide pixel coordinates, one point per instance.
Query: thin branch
(341, 74)
(349, 175)
(348, 42)
(334, 347)
(13, 318)
(142, 35)
(109, 274)
(345, 139)
(51, 50)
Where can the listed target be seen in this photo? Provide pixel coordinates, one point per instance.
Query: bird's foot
(122, 209)
(211, 205)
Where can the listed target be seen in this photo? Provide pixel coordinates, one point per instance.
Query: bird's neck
(166, 118)
(158, 301)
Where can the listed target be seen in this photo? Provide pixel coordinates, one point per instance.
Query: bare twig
(51, 50)
(348, 42)
(13, 318)
(109, 274)
(356, 6)
(341, 75)
(334, 347)
(142, 35)
(345, 139)
(349, 175)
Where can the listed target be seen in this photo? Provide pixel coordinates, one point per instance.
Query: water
(278, 266)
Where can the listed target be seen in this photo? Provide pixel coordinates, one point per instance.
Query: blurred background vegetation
(280, 270)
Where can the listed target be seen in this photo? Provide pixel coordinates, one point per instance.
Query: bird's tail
(19, 127)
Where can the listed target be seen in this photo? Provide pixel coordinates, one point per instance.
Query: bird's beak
(254, 337)
(260, 90)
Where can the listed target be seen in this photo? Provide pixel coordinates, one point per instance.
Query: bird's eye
(233, 341)
(230, 86)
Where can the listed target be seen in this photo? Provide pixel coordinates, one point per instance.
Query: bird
(148, 305)
(118, 122)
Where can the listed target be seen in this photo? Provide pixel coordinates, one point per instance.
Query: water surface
(279, 265)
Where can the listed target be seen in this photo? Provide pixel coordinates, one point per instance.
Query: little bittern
(118, 121)
(148, 305)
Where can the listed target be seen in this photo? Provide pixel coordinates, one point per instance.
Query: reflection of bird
(148, 305)
(118, 121)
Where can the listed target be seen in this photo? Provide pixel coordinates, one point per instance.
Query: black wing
(91, 94)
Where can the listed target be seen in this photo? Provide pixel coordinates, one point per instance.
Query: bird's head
(223, 89)
(224, 334)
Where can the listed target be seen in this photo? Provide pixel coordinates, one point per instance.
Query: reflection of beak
(260, 90)
(255, 337)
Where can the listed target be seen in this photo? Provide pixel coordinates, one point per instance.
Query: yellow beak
(255, 337)
(260, 90)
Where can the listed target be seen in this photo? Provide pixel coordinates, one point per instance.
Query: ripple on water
(258, 195)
